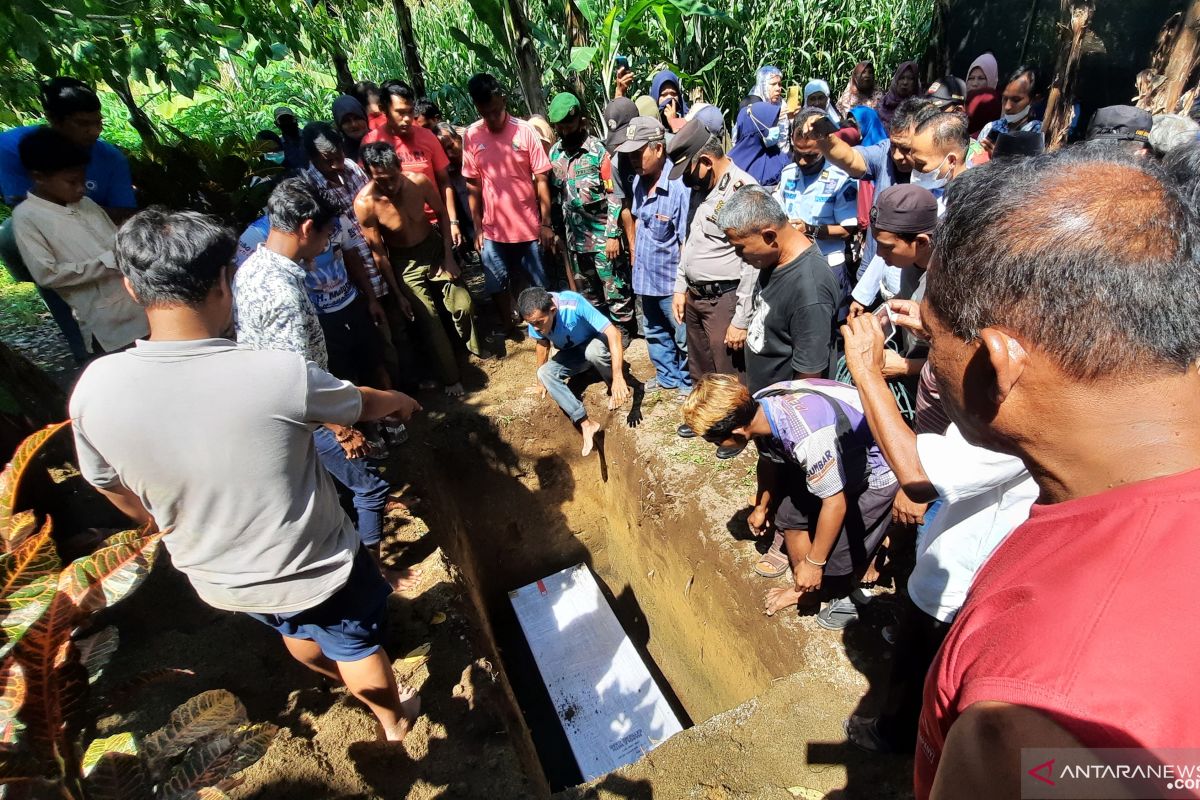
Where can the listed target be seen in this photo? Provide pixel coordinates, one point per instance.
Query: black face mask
(692, 181)
(575, 140)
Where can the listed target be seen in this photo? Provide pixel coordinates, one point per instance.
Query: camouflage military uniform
(578, 183)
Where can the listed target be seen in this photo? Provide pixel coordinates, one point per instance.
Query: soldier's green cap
(562, 106)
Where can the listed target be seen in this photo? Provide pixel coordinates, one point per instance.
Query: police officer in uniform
(713, 286)
(821, 199)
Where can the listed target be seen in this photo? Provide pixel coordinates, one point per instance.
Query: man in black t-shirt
(795, 297)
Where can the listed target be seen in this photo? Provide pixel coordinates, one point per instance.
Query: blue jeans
(574, 361)
(502, 258)
(667, 342)
(370, 491)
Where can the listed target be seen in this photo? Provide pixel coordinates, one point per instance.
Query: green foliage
(175, 47)
(46, 671)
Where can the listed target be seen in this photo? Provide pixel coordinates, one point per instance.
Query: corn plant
(47, 665)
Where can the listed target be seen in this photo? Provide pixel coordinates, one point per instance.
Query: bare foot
(779, 599)
(455, 390)
(589, 430)
(410, 707)
(402, 579)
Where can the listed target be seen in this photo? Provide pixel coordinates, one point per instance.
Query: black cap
(686, 145)
(1120, 124)
(905, 208)
(1018, 144)
(947, 91)
(617, 116)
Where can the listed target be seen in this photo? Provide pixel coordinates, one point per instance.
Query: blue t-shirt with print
(576, 324)
(326, 280)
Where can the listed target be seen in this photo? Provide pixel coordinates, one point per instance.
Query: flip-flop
(775, 560)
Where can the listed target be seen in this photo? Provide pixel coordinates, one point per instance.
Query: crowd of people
(940, 339)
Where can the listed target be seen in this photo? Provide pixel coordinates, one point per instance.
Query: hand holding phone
(823, 127)
(621, 62)
(884, 315)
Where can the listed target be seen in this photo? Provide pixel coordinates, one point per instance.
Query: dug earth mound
(495, 496)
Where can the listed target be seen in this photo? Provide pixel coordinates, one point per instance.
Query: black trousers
(917, 643)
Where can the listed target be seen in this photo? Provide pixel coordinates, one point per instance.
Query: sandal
(773, 563)
(863, 733)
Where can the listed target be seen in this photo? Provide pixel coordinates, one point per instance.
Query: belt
(712, 288)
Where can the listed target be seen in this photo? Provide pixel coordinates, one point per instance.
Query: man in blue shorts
(213, 444)
(585, 339)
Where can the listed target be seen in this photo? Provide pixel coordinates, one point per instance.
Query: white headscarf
(818, 85)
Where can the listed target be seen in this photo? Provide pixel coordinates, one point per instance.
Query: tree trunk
(1076, 19)
(529, 67)
(345, 78)
(137, 117)
(408, 44)
(1183, 59)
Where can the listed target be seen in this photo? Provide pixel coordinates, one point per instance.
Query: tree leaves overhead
(177, 44)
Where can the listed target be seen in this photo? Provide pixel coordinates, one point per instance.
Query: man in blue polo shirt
(73, 109)
(585, 339)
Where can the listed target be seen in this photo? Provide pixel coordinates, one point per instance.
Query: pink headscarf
(991, 70)
(892, 99)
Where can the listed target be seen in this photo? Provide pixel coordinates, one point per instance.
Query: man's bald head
(1089, 257)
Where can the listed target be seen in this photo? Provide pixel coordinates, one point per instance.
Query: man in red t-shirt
(417, 148)
(507, 172)
(1062, 308)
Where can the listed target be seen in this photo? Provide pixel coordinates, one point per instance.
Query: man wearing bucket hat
(578, 162)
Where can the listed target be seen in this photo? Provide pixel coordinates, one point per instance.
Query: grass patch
(20, 306)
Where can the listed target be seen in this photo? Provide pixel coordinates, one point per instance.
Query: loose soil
(498, 496)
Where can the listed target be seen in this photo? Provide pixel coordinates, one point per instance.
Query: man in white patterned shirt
(272, 311)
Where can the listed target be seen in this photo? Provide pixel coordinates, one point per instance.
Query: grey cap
(686, 145)
(617, 116)
(640, 132)
(284, 111)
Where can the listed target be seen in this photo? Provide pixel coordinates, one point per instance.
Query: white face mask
(930, 180)
(1020, 115)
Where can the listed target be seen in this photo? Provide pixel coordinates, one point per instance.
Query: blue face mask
(274, 158)
(772, 136)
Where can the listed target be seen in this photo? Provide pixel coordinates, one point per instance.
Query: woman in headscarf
(667, 92)
(905, 84)
(351, 120)
(816, 95)
(869, 125)
(983, 100)
(860, 89)
(759, 148)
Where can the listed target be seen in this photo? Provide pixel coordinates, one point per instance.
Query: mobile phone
(621, 62)
(993, 135)
(884, 315)
(793, 97)
(823, 126)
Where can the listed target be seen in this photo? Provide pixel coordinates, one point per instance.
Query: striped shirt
(661, 217)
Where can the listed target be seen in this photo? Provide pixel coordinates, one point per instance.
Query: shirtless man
(391, 211)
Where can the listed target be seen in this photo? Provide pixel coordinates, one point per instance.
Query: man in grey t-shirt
(213, 444)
